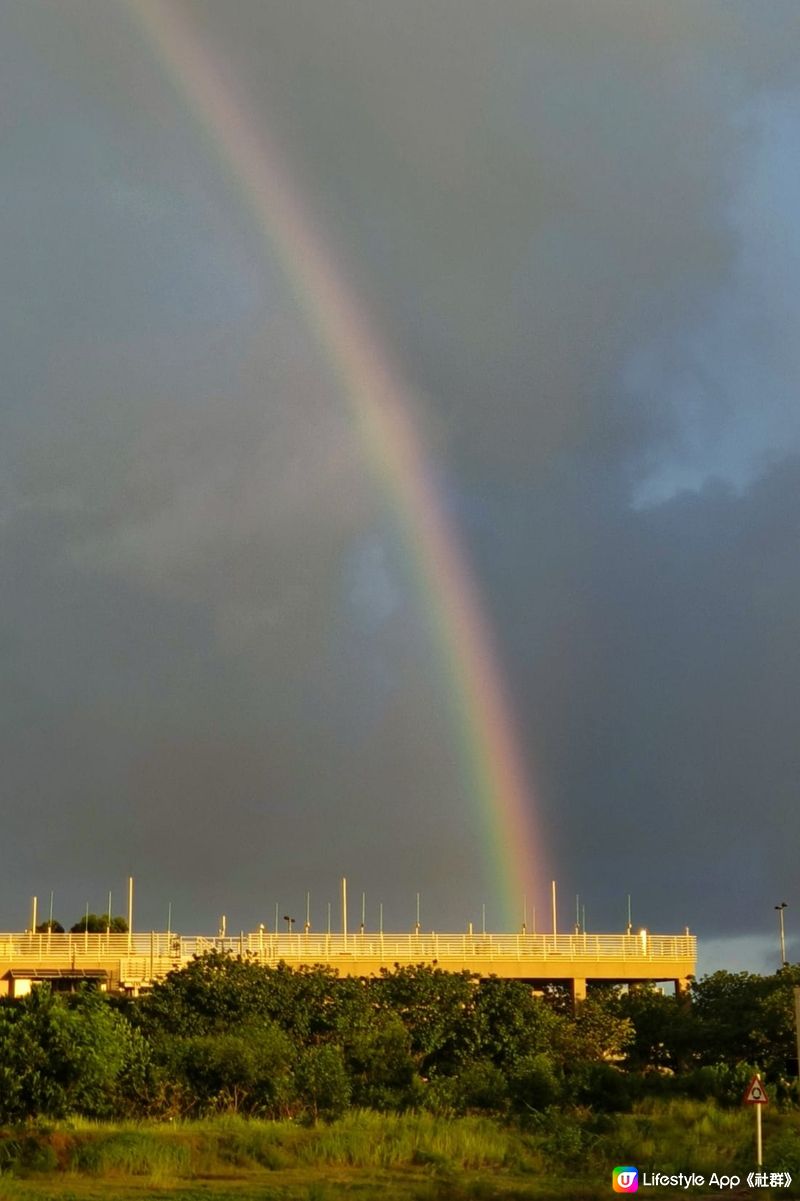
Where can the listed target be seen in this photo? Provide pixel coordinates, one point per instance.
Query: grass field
(411, 1157)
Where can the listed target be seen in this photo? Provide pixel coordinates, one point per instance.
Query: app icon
(625, 1180)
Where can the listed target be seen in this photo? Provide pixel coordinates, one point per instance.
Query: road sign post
(756, 1096)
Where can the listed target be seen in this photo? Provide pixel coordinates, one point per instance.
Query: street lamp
(780, 908)
(289, 922)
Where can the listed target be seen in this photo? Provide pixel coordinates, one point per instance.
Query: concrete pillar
(578, 988)
(682, 986)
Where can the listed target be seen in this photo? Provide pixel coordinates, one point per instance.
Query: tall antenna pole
(344, 907)
(34, 903)
(130, 914)
(555, 907)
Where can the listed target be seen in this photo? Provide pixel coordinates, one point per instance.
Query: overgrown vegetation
(225, 1035)
(418, 1156)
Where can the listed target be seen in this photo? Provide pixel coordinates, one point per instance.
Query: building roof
(55, 973)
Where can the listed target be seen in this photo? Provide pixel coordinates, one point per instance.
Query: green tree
(595, 1033)
(246, 1070)
(436, 1008)
(377, 1054)
(98, 923)
(218, 991)
(66, 1055)
(509, 1023)
(322, 1082)
(746, 1018)
(480, 1087)
(665, 1028)
(534, 1083)
(211, 994)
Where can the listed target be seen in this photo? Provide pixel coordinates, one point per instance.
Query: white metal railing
(171, 950)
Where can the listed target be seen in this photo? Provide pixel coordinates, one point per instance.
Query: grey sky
(575, 227)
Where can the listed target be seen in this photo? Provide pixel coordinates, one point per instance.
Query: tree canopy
(226, 1034)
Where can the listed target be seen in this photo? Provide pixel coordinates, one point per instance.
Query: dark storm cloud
(574, 226)
(660, 677)
(538, 189)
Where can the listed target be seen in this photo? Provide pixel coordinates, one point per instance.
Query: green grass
(410, 1157)
(131, 1153)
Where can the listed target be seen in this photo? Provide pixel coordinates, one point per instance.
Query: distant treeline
(90, 923)
(226, 1034)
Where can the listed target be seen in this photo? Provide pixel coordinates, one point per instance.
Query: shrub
(723, 1082)
(322, 1082)
(533, 1084)
(605, 1087)
(482, 1088)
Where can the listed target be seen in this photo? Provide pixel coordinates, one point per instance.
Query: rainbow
(482, 716)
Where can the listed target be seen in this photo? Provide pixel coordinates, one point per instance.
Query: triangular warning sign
(755, 1093)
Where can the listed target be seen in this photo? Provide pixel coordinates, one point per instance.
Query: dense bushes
(58, 1058)
(226, 1035)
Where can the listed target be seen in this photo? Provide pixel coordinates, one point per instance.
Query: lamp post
(780, 908)
(289, 922)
